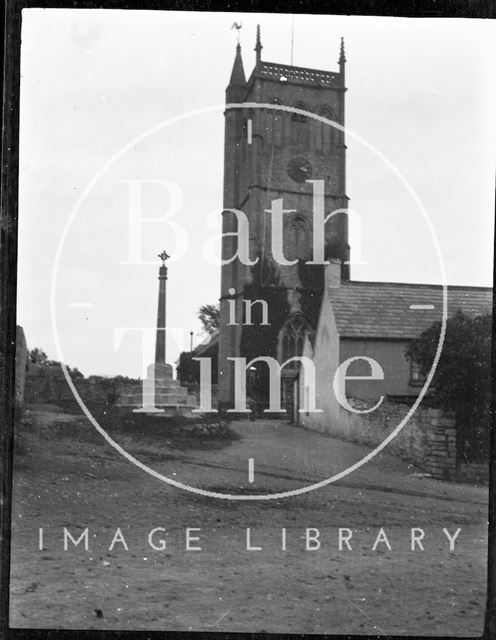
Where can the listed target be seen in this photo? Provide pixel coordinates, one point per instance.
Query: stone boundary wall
(47, 385)
(428, 439)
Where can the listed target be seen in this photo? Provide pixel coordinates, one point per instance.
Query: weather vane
(237, 26)
(164, 256)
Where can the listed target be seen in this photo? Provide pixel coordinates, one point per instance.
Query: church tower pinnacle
(258, 47)
(342, 61)
(237, 84)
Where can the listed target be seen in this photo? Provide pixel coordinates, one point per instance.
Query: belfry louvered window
(300, 127)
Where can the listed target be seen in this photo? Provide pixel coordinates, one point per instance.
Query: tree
(38, 356)
(188, 370)
(462, 381)
(75, 373)
(209, 317)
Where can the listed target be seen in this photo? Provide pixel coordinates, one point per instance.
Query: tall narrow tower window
(297, 239)
(274, 124)
(245, 138)
(300, 128)
(325, 133)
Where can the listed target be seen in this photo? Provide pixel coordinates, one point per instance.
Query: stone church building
(281, 151)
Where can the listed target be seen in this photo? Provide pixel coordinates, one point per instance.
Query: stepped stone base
(160, 395)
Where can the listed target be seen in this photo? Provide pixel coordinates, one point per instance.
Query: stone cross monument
(161, 368)
(160, 393)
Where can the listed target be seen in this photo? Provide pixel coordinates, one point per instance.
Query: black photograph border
(8, 270)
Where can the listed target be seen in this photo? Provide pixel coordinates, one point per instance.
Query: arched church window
(300, 117)
(326, 133)
(274, 124)
(300, 127)
(230, 240)
(245, 138)
(298, 234)
(292, 339)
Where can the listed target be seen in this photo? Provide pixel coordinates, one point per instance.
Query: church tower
(273, 153)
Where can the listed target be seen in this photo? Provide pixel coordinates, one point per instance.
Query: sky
(111, 99)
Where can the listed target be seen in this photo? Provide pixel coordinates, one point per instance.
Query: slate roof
(382, 309)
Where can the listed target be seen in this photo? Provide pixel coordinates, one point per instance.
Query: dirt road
(292, 578)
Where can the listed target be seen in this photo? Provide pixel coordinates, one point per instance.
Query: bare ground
(66, 475)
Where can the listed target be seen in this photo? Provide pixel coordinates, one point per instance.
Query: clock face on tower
(299, 169)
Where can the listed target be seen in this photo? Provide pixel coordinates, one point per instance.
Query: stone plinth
(160, 394)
